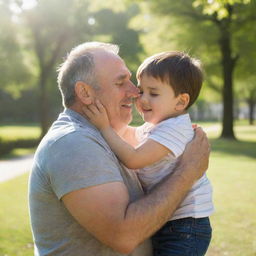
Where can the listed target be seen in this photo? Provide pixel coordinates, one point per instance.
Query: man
(82, 202)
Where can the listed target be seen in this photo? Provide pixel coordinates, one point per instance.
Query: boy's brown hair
(179, 70)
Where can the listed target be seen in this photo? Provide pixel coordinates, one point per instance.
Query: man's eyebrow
(121, 77)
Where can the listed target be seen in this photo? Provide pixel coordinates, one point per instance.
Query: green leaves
(218, 7)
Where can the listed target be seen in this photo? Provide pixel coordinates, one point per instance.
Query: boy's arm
(128, 135)
(146, 154)
(98, 116)
(134, 158)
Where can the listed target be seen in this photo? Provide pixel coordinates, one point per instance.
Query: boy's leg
(183, 237)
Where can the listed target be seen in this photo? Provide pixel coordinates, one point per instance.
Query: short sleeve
(173, 133)
(78, 162)
(141, 132)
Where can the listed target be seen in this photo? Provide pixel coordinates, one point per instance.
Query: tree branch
(55, 54)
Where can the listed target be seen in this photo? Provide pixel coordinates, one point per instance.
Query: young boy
(169, 84)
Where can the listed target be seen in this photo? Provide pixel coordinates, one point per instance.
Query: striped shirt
(174, 134)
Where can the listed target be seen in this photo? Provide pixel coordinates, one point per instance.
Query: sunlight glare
(28, 4)
(91, 21)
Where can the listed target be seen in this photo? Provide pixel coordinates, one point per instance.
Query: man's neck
(77, 108)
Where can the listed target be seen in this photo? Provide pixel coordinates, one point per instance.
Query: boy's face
(157, 100)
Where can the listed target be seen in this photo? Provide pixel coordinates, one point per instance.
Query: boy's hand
(97, 115)
(194, 126)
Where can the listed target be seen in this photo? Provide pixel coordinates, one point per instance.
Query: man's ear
(183, 101)
(84, 92)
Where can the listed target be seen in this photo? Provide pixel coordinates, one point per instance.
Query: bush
(7, 146)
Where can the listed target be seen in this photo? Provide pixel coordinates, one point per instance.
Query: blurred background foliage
(36, 35)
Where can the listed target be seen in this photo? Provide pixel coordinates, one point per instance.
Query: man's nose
(132, 90)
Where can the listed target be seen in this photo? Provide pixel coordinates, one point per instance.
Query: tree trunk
(228, 99)
(228, 64)
(251, 105)
(43, 104)
(46, 67)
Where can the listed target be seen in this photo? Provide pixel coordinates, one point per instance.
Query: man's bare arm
(105, 210)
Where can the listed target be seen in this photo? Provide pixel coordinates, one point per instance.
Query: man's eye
(154, 94)
(119, 83)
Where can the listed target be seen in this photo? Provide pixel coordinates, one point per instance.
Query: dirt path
(12, 168)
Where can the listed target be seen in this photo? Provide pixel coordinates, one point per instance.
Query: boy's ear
(183, 101)
(84, 92)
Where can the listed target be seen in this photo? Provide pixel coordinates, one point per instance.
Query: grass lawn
(17, 152)
(232, 172)
(15, 235)
(233, 175)
(18, 132)
(15, 132)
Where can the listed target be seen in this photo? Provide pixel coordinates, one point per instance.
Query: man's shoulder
(70, 128)
(69, 137)
(72, 125)
(73, 145)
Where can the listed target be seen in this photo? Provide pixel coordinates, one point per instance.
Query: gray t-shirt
(73, 155)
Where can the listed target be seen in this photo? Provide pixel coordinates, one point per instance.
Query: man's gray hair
(79, 66)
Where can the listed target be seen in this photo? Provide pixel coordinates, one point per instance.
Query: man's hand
(195, 159)
(97, 115)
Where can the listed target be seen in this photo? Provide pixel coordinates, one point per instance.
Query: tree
(219, 21)
(245, 73)
(116, 25)
(46, 32)
(14, 72)
(52, 27)
(247, 93)
(251, 101)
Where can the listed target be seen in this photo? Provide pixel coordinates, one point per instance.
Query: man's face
(116, 90)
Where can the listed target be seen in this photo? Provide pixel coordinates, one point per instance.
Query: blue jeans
(183, 237)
